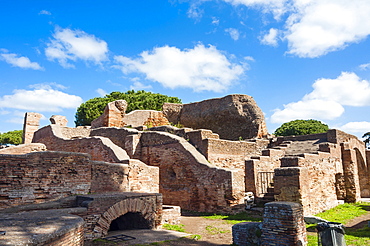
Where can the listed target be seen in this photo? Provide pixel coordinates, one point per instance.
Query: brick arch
(363, 174)
(147, 210)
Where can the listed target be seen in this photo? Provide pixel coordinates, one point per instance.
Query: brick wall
(309, 180)
(42, 176)
(187, 179)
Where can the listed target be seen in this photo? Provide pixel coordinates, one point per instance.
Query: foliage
(11, 137)
(93, 108)
(367, 140)
(215, 230)
(301, 127)
(179, 228)
(235, 218)
(343, 214)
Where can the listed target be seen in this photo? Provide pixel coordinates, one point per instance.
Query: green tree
(11, 137)
(301, 127)
(367, 140)
(93, 108)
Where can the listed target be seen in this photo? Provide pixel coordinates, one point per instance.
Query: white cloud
(215, 21)
(365, 66)
(101, 92)
(356, 127)
(234, 33)
(41, 99)
(44, 12)
(271, 38)
(71, 45)
(327, 99)
(202, 68)
(139, 86)
(308, 109)
(348, 89)
(20, 61)
(315, 27)
(322, 26)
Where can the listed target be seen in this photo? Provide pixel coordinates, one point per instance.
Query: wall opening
(129, 221)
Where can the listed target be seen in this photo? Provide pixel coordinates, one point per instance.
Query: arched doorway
(128, 221)
(363, 174)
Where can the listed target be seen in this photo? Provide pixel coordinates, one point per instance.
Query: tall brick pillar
(283, 224)
(30, 125)
(352, 183)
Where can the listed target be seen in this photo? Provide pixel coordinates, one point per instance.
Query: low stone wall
(247, 233)
(309, 180)
(100, 148)
(171, 215)
(49, 227)
(42, 176)
(149, 118)
(134, 176)
(23, 149)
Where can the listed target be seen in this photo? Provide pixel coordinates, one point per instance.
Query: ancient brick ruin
(222, 151)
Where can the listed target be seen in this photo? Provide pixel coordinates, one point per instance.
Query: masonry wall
(134, 177)
(309, 180)
(100, 148)
(187, 179)
(42, 176)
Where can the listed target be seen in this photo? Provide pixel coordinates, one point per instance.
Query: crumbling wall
(255, 180)
(23, 149)
(112, 116)
(149, 118)
(232, 117)
(100, 148)
(309, 180)
(187, 179)
(30, 125)
(132, 177)
(43, 176)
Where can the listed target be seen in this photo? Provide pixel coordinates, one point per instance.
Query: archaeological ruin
(90, 178)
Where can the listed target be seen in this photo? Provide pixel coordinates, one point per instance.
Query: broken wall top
(232, 117)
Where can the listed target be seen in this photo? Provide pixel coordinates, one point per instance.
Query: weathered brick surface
(149, 118)
(23, 149)
(231, 117)
(42, 176)
(134, 176)
(247, 233)
(58, 120)
(42, 228)
(100, 148)
(30, 125)
(171, 215)
(309, 180)
(102, 209)
(187, 179)
(283, 224)
(112, 116)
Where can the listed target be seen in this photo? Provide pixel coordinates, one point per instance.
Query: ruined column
(30, 125)
(283, 224)
(351, 180)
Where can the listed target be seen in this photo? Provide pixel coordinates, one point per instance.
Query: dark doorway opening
(129, 221)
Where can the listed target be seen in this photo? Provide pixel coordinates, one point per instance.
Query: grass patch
(179, 228)
(235, 218)
(215, 230)
(195, 237)
(343, 214)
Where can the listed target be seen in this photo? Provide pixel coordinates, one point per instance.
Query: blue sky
(299, 59)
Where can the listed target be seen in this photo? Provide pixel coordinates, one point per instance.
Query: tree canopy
(367, 139)
(301, 127)
(143, 100)
(11, 137)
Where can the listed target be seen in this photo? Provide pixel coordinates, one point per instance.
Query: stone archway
(147, 210)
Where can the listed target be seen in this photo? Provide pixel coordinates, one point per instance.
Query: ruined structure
(207, 167)
(30, 125)
(233, 117)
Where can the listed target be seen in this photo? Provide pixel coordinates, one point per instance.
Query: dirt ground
(218, 233)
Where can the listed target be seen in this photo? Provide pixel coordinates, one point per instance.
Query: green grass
(179, 228)
(235, 218)
(343, 214)
(215, 230)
